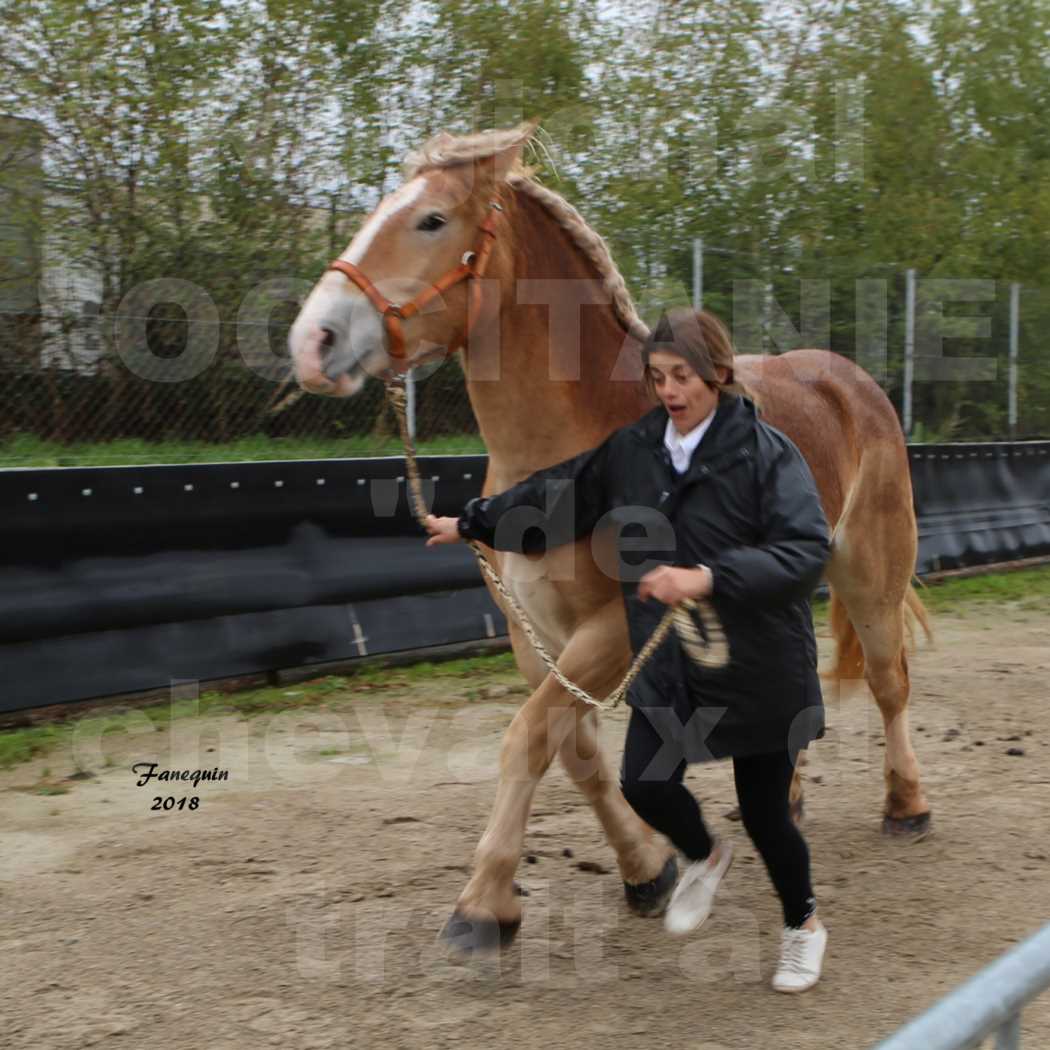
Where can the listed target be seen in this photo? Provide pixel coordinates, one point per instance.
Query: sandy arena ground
(297, 906)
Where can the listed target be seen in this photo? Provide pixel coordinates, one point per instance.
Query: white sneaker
(691, 901)
(801, 956)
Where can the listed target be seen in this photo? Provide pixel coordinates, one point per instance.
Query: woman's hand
(442, 530)
(670, 585)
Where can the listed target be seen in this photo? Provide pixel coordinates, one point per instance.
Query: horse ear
(490, 171)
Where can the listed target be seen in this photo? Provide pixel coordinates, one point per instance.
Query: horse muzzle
(322, 366)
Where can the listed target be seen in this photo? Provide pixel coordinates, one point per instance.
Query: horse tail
(849, 653)
(915, 613)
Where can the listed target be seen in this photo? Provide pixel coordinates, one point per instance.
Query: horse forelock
(445, 150)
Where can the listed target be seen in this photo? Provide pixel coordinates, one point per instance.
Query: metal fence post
(698, 273)
(1015, 304)
(909, 351)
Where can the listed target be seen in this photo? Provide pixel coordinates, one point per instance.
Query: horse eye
(431, 223)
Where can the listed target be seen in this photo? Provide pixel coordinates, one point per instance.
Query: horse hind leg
(886, 659)
(873, 557)
(877, 621)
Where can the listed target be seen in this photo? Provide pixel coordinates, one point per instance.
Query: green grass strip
(26, 450)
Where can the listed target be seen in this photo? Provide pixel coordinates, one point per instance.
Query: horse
(508, 274)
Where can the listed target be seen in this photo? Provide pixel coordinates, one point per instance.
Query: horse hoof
(911, 829)
(650, 898)
(468, 935)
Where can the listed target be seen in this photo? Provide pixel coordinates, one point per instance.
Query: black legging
(660, 798)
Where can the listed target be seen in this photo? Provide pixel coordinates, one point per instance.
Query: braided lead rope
(712, 652)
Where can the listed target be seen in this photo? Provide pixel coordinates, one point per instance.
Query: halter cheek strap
(471, 269)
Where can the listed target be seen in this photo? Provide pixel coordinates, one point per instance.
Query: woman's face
(687, 398)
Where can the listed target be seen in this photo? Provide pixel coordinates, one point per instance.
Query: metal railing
(988, 1004)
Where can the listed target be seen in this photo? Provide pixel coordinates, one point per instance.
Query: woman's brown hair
(700, 339)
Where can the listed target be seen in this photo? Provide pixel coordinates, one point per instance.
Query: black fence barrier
(121, 579)
(980, 503)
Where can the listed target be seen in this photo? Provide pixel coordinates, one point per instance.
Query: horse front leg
(488, 912)
(550, 723)
(647, 866)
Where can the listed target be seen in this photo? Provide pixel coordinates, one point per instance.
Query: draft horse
(473, 255)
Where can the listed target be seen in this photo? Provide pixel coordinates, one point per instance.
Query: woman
(750, 535)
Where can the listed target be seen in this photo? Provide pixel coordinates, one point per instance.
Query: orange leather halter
(470, 269)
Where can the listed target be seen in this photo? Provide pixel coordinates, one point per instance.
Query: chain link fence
(66, 401)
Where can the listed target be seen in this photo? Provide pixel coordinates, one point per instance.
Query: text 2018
(175, 803)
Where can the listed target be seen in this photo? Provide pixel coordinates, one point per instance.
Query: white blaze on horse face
(404, 197)
(339, 307)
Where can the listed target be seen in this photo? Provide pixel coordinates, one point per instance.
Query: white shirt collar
(682, 446)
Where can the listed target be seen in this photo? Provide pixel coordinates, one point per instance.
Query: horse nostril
(335, 351)
(331, 364)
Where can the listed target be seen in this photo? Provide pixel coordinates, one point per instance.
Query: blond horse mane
(445, 150)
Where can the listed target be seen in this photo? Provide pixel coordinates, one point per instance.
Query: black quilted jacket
(747, 507)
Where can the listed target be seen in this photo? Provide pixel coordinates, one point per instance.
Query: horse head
(406, 289)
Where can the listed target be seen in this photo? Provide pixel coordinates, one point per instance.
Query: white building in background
(49, 298)
(70, 294)
(50, 292)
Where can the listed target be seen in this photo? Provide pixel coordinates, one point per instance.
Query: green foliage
(1025, 589)
(228, 144)
(22, 745)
